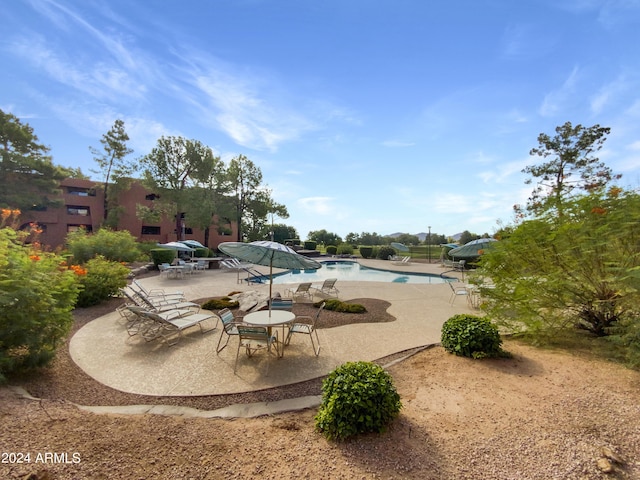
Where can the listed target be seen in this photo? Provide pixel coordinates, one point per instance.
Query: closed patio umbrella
(272, 254)
(401, 247)
(471, 250)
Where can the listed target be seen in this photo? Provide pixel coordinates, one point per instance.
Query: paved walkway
(103, 349)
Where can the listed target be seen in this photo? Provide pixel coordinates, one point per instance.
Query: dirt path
(540, 415)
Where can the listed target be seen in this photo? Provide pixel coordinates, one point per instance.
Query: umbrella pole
(270, 284)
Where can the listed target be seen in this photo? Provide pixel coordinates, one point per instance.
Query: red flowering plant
(37, 298)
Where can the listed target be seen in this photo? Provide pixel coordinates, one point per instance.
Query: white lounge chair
(168, 328)
(303, 290)
(328, 287)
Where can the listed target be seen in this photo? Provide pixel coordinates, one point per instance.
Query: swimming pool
(353, 272)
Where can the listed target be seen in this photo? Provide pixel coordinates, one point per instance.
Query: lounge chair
(229, 327)
(254, 338)
(308, 327)
(140, 324)
(157, 305)
(173, 327)
(406, 260)
(328, 287)
(303, 290)
(156, 292)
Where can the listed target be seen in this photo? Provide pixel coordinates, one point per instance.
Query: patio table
(270, 319)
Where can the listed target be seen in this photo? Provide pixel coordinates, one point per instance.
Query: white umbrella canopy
(181, 247)
(271, 254)
(192, 243)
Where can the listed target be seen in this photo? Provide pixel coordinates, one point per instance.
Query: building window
(81, 192)
(82, 211)
(75, 228)
(147, 230)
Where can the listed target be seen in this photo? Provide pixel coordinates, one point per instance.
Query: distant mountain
(422, 235)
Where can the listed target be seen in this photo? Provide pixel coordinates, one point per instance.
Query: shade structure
(271, 254)
(401, 247)
(471, 250)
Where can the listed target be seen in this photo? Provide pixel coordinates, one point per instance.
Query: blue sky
(363, 116)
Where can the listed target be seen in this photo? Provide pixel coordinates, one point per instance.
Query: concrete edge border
(246, 410)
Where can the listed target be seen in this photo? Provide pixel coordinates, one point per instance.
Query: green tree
(251, 199)
(172, 169)
(324, 237)
(282, 232)
(467, 236)
(28, 178)
(572, 166)
(550, 275)
(407, 239)
(114, 168)
(209, 203)
(352, 238)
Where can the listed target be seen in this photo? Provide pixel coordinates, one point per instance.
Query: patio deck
(103, 349)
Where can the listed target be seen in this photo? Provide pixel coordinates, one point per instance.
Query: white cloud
(317, 205)
(555, 100)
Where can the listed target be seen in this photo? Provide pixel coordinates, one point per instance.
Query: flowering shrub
(37, 298)
(100, 279)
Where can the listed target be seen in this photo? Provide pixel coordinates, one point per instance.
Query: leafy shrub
(219, 303)
(310, 245)
(366, 251)
(345, 249)
(162, 255)
(101, 279)
(385, 252)
(201, 252)
(37, 299)
(336, 305)
(118, 246)
(357, 397)
(471, 336)
(331, 249)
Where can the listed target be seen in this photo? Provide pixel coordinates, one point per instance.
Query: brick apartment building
(84, 208)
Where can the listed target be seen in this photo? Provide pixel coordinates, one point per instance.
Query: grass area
(578, 342)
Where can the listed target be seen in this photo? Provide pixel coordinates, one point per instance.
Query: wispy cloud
(608, 93)
(554, 101)
(317, 205)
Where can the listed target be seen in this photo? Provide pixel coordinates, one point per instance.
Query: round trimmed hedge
(357, 397)
(471, 336)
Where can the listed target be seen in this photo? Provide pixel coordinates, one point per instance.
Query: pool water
(353, 272)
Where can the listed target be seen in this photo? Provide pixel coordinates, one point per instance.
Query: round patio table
(269, 319)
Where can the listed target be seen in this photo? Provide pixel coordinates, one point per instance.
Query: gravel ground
(539, 415)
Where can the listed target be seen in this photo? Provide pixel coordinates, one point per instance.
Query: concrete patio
(104, 350)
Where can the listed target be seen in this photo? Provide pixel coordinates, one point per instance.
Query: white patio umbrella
(177, 246)
(192, 243)
(181, 247)
(273, 254)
